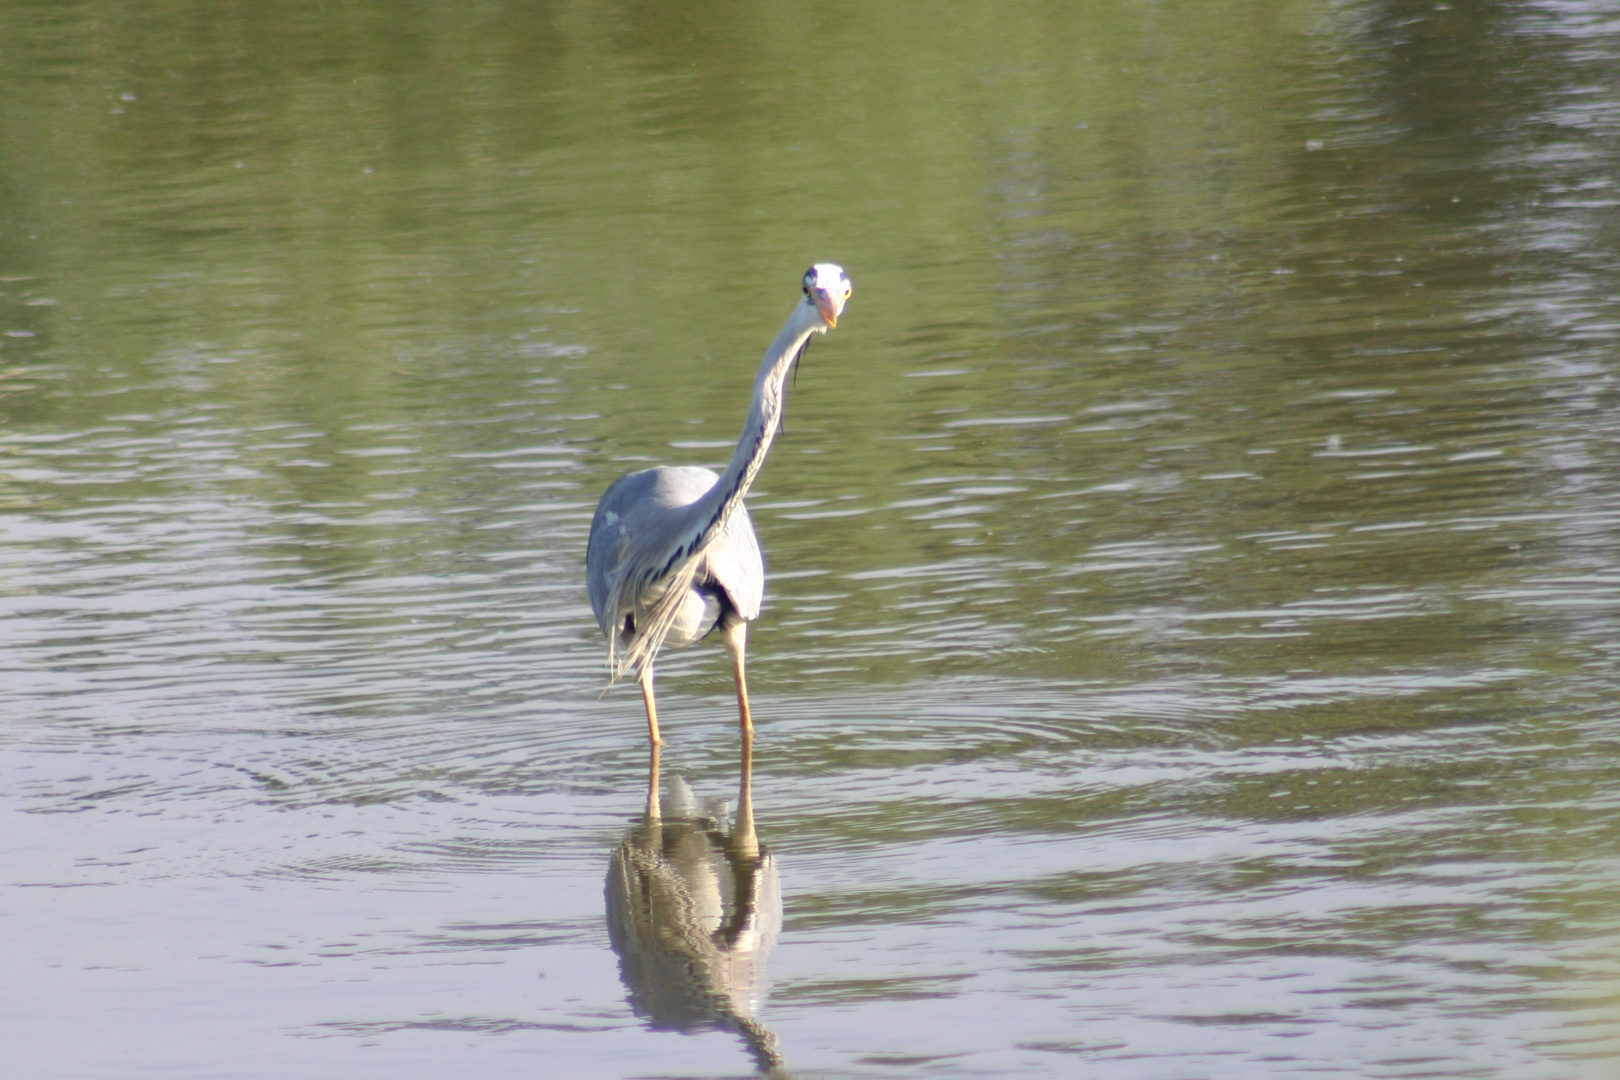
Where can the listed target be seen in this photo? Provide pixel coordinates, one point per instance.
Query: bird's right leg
(646, 679)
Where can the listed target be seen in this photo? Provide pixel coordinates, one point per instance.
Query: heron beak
(830, 309)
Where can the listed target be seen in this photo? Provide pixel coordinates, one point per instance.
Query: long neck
(711, 512)
(702, 521)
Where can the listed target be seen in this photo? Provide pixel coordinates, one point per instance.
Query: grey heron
(672, 554)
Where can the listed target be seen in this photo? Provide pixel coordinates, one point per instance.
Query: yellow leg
(743, 839)
(652, 705)
(736, 639)
(654, 814)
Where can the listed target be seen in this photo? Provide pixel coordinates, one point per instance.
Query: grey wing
(610, 545)
(735, 564)
(644, 514)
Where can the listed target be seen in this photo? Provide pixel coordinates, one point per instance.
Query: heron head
(827, 288)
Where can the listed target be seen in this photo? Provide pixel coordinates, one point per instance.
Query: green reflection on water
(1254, 361)
(1176, 326)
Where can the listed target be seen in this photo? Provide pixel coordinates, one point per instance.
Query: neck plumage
(711, 512)
(702, 521)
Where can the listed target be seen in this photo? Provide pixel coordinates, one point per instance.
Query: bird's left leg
(646, 679)
(654, 812)
(735, 635)
(743, 840)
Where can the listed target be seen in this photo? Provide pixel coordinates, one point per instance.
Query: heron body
(672, 555)
(729, 578)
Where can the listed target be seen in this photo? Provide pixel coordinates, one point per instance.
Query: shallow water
(1190, 641)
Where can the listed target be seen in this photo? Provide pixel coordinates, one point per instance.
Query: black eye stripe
(813, 279)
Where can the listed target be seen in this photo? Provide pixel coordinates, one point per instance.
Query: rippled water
(1190, 644)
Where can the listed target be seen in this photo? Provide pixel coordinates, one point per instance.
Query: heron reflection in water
(693, 909)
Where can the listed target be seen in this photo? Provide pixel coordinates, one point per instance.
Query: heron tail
(652, 623)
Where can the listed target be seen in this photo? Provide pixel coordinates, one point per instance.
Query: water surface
(1190, 644)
